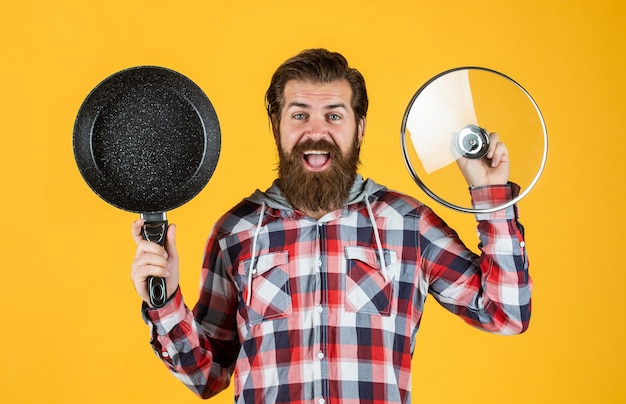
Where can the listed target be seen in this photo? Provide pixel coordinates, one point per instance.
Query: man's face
(318, 141)
(317, 111)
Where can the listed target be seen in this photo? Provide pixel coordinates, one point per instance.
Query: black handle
(155, 229)
(158, 291)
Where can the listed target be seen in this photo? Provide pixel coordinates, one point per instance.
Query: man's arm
(199, 347)
(491, 291)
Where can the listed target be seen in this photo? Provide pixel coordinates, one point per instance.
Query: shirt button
(522, 244)
(165, 354)
(321, 401)
(319, 263)
(320, 355)
(320, 309)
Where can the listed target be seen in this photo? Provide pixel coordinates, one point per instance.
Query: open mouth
(316, 160)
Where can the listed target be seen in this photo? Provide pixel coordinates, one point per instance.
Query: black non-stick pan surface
(147, 140)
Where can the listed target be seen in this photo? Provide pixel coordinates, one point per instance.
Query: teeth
(315, 152)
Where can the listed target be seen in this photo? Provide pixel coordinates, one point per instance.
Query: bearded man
(313, 290)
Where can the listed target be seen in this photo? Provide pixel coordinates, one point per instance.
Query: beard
(323, 191)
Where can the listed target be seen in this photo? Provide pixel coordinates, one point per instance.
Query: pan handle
(155, 229)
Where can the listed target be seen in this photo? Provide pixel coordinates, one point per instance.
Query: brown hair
(316, 66)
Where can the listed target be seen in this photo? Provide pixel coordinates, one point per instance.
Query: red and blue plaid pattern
(326, 322)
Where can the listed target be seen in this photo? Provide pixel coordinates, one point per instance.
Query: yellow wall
(70, 326)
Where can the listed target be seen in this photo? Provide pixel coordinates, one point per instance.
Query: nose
(317, 128)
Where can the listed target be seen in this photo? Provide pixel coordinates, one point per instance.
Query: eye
(334, 117)
(299, 116)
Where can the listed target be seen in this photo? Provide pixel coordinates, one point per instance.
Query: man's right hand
(151, 259)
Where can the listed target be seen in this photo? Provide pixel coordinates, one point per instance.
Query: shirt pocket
(368, 289)
(269, 286)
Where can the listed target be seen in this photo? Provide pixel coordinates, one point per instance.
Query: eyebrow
(305, 105)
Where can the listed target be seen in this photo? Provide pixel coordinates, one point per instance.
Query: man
(313, 290)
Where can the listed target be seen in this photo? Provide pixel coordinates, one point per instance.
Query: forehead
(313, 93)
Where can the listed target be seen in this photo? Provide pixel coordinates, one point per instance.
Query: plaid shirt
(325, 322)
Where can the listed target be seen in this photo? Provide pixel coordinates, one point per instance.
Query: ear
(360, 130)
(275, 127)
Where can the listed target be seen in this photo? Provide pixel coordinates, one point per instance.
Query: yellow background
(70, 326)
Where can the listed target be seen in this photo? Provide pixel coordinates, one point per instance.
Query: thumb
(136, 230)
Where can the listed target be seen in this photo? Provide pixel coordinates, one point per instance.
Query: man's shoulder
(390, 201)
(241, 217)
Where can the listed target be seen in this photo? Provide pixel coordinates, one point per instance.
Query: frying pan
(147, 140)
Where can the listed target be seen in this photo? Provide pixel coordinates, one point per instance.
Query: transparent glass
(446, 120)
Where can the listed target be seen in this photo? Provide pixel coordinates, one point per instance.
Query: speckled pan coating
(147, 139)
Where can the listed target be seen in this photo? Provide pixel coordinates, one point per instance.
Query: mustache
(321, 145)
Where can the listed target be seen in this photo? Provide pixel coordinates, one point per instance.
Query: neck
(317, 215)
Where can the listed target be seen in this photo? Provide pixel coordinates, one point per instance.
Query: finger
(148, 258)
(145, 247)
(148, 264)
(493, 143)
(141, 273)
(136, 230)
(500, 155)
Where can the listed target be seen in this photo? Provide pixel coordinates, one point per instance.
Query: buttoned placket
(321, 365)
